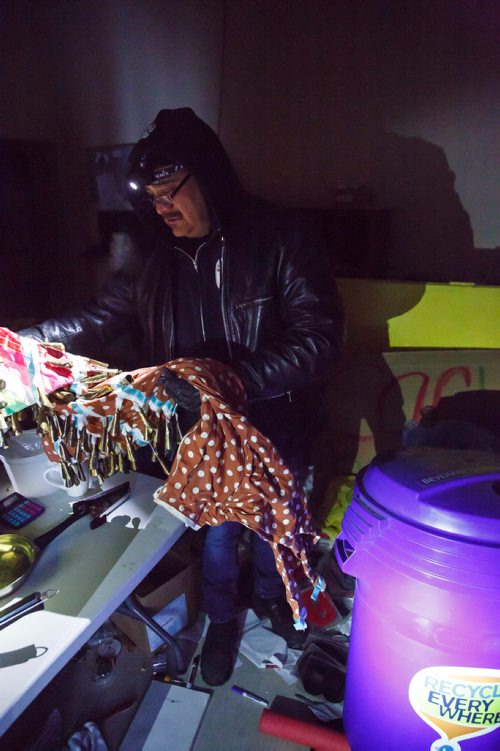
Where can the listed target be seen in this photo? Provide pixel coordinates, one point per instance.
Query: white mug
(53, 476)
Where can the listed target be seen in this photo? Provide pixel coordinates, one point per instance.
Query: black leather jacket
(282, 315)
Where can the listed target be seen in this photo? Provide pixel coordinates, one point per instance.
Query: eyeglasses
(167, 199)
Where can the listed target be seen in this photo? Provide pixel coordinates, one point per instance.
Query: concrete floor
(231, 722)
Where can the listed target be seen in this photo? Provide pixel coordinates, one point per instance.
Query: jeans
(221, 569)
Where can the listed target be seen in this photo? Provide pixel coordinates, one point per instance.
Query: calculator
(16, 510)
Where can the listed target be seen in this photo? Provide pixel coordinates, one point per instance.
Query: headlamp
(152, 169)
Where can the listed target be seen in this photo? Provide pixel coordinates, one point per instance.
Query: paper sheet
(167, 711)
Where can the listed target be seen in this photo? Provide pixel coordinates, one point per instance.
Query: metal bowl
(17, 555)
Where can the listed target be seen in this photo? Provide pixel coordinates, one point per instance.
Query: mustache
(170, 214)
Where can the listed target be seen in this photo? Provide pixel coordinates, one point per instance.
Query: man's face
(186, 215)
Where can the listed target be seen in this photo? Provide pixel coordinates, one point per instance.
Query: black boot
(218, 652)
(280, 614)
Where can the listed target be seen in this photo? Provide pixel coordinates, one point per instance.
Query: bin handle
(343, 550)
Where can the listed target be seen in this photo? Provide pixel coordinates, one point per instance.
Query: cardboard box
(171, 577)
(174, 576)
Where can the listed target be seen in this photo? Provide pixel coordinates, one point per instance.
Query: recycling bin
(422, 539)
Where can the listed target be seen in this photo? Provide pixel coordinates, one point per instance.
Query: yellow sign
(459, 703)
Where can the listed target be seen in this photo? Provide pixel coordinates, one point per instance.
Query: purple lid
(451, 491)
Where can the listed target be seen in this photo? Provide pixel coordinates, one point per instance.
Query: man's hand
(186, 396)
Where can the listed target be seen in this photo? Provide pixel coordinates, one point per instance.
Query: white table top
(94, 571)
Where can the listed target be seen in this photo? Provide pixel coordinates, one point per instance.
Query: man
(238, 280)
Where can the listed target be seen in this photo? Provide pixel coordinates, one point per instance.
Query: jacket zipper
(243, 305)
(194, 260)
(195, 264)
(171, 339)
(225, 319)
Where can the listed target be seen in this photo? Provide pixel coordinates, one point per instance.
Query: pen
(29, 604)
(173, 681)
(194, 670)
(250, 695)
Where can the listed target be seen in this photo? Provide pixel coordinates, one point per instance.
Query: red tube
(298, 731)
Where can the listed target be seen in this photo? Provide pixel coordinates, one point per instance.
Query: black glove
(186, 396)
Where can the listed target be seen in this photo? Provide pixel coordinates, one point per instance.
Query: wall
(120, 61)
(384, 315)
(307, 95)
(97, 71)
(26, 83)
(401, 96)
(94, 72)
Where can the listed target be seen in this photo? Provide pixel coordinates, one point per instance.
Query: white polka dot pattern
(252, 491)
(224, 468)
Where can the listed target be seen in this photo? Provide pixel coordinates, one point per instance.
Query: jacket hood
(179, 136)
